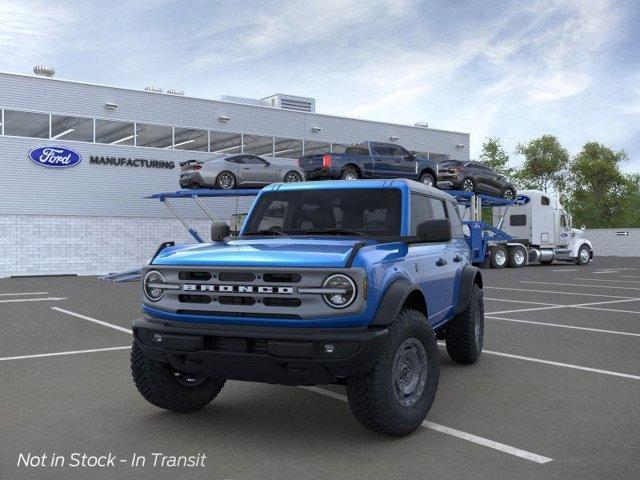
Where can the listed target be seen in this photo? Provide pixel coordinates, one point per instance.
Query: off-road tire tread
(153, 381)
(460, 330)
(369, 401)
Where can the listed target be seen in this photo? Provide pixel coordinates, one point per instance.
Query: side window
(563, 220)
(397, 151)
(545, 200)
(437, 208)
(251, 160)
(420, 211)
(381, 150)
(234, 160)
(517, 220)
(456, 222)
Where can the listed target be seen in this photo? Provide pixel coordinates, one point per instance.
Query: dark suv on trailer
(474, 177)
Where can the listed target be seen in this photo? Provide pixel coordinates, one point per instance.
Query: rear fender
(470, 275)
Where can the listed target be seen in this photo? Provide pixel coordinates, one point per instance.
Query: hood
(263, 252)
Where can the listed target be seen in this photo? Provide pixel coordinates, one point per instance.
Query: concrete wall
(50, 245)
(609, 242)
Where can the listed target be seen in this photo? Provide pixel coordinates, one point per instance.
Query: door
(432, 264)
(382, 161)
(449, 260)
(403, 164)
(564, 230)
(257, 171)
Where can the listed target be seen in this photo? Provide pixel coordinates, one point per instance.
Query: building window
(26, 124)
(287, 148)
(312, 147)
(222, 142)
(190, 139)
(157, 136)
(257, 145)
(71, 128)
(114, 133)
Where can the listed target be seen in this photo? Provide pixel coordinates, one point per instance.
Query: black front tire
(465, 333)
(584, 255)
(428, 179)
(517, 257)
(374, 398)
(157, 383)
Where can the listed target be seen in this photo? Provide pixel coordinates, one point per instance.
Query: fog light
(328, 348)
(157, 338)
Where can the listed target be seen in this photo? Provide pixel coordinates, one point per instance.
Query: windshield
(346, 211)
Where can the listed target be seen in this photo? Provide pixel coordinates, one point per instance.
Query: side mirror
(583, 227)
(267, 163)
(410, 156)
(219, 231)
(435, 230)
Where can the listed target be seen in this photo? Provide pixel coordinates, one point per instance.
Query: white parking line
(567, 270)
(576, 305)
(20, 300)
(521, 301)
(606, 280)
(94, 320)
(469, 437)
(580, 285)
(564, 365)
(56, 354)
(629, 276)
(23, 293)
(529, 290)
(559, 325)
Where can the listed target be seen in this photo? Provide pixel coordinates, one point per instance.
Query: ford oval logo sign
(55, 157)
(522, 200)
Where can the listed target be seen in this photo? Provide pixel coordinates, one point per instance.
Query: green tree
(545, 164)
(600, 193)
(495, 156)
(632, 214)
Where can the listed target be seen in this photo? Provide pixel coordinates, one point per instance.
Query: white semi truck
(539, 226)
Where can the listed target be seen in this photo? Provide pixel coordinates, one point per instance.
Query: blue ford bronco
(347, 282)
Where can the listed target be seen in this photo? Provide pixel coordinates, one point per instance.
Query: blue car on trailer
(347, 282)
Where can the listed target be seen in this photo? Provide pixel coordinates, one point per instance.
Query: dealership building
(92, 217)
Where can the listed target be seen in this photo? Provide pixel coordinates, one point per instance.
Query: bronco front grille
(256, 293)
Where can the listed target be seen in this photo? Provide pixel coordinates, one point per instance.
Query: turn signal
(326, 161)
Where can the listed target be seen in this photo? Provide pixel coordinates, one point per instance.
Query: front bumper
(288, 356)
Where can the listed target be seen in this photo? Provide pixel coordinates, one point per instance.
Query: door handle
(246, 168)
(457, 259)
(441, 262)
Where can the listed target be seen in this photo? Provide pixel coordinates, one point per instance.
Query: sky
(513, 70)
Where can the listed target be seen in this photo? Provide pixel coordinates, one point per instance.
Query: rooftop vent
(44, 71)
(292, 102)
(153, 88)
(175, 91)
(422, 124)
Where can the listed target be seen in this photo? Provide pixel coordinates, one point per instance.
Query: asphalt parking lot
(555, 394)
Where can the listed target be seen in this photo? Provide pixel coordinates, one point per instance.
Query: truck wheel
(428, 180)
(468, 185)
(583, 255)
(166, 388)
(396, 395)
(349, 173)
(517, 257)
(465, 333)
(498, 258)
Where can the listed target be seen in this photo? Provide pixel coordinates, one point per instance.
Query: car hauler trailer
(538, 221)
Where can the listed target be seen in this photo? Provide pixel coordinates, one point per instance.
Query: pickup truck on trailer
(327, 282)
(371, 160)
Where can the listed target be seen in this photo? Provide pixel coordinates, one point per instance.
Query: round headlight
(151, 290)
(344, 291)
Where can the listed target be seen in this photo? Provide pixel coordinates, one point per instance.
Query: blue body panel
(383, 263)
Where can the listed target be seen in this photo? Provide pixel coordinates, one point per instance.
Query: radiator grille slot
(236, 277)
(197, 276)
(282, 302)
(282, 277)
(227, 300)
(194, 298)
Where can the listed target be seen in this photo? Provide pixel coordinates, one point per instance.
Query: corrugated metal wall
(614, 242)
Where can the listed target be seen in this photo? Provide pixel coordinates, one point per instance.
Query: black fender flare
(470, 275)
(394, 297)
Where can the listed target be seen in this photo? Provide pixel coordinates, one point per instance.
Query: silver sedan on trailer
(238, 170)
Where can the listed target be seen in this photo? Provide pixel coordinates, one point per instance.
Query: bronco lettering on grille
(190, 287)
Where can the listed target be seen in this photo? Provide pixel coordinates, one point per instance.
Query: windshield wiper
(336, 231)
(267, 232)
